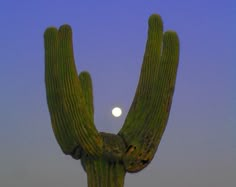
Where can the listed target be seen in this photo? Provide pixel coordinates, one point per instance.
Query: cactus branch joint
(107, 157)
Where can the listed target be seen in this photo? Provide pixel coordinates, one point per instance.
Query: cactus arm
(71, 119)
(87, 89)
(148, 114)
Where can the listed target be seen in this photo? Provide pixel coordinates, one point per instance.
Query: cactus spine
(107, 157)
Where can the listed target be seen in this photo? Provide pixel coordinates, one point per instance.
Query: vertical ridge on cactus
(87, 89)
(107, 157)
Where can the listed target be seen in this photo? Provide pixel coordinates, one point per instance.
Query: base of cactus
(102, 173)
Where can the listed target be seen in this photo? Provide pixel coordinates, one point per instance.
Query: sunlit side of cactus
(107, 157)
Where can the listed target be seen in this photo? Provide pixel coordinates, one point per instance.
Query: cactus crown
(70, 103)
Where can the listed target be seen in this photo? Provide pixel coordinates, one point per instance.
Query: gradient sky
(199, 145)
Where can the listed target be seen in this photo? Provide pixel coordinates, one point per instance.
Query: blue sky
(198, 147)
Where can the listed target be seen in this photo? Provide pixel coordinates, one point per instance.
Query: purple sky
(199, 145)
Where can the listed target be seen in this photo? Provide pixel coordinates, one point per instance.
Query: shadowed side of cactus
(107, 157)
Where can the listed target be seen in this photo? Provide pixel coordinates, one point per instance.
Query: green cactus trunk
(107, 157)
(108, 169)
(103, 173)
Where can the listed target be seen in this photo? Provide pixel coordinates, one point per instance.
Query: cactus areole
(107, 157)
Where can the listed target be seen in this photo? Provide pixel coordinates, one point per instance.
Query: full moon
(116, 112)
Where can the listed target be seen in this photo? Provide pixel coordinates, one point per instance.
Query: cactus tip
(155, 21)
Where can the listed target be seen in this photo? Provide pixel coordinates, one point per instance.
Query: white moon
(116, 112)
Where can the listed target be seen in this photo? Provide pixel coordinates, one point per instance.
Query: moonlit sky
(198, 147)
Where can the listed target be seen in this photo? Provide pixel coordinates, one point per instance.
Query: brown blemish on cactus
(130, 149)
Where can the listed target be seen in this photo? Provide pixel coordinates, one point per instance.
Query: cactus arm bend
(148, 114)
(68, 95)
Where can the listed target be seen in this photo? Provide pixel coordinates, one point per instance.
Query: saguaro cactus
(107, 157)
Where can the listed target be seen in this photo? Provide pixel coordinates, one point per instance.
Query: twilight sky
(198, 147)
